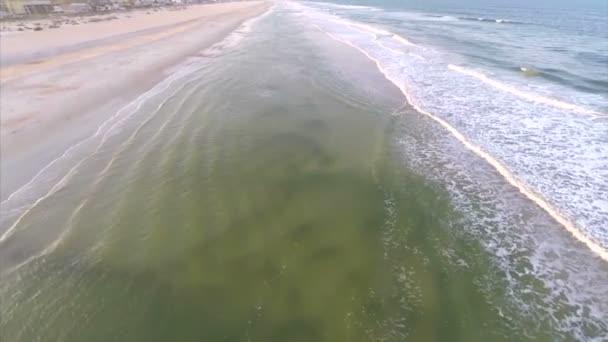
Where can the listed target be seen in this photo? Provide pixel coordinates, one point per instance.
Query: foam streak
(498, 166)
(522, 94)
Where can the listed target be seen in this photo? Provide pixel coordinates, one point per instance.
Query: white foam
(500, 168)
(101, 176)
(248, 25)
(551, 155)
(522, 93)
(53, 245)
(379, 31)
(8, 233)
(347, 7)
(236, 36)
(529, 245)
(103, 133)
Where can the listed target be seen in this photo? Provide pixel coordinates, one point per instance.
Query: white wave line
(140, 99)
(496, 84)
(522, 94)
(378, 31)
(416, 56)
(177, 134)
(162, 128)
(102, 174)
(50, 248)
(389, 48)
(501, 169)
(127, 142)
(69, 174)
(399, 52)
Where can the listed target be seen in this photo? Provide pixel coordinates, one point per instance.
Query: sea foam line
(160, 130)
(50, 248)
(8, 233)
(501, 169)
(378, 31)
(138, 101)
(100, 177)
(374, 30)
(522, 94)
(480, 76)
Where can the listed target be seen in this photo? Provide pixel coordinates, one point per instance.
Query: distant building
(37, 6)
(108, 5)
(23, 7)
(14, 7)
(77, 7)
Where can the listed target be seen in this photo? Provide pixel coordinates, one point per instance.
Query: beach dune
(58, 85)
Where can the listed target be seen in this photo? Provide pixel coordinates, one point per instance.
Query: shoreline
(537, 198)
(65, 97)
(267, 159)
(23, 47)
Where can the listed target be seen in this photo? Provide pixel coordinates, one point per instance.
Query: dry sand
(51, 41)
(58, 85)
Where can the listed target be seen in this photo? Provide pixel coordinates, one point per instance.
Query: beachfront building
(23, 7)
(37, 6)
(108, 5)
(15, 7)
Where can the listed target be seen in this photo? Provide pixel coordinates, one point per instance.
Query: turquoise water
(269, 191)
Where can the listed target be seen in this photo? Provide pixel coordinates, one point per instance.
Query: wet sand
(277, 187)
(59, 85)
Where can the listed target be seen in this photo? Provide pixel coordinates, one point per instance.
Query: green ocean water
(261, 198)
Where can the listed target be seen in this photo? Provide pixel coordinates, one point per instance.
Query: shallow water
(276, 193)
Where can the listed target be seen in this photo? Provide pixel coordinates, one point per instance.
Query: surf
(554, 211)
(523, 94)
(23, 200)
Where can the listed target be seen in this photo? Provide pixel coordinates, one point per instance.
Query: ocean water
(335, 172)
(525, 81)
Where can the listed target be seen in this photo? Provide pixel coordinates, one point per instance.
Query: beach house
(14, 7)
(21, 7)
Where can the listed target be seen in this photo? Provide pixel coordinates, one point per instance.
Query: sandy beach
(305, 171)
(59, 84)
